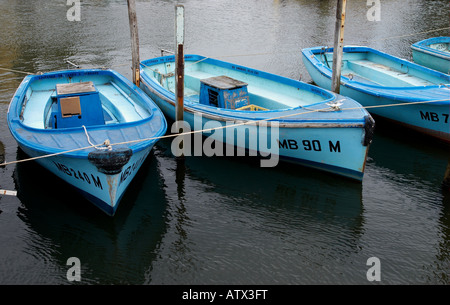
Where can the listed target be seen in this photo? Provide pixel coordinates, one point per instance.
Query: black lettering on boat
(130, 169)
(124, 175)
(430, 116)
(74, 173)
(312, 145)
(80, 176)
(86, 177)
(425, 116)
(58, 166)
(97, 182)
(282, 144)
(335, 147)
(288, 144)
(63, 168)
(292, 144)
(434, 117)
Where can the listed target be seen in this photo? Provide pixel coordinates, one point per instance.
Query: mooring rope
(11, 70)
(107, 144)
(407, 35)
(248, 122)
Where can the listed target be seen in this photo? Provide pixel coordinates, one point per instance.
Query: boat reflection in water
(215, 200)
(115, 250)
(410, 155)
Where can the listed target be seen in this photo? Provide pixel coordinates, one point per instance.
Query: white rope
(107, 143)
(212, 129)
(412, 34)
(17, 71)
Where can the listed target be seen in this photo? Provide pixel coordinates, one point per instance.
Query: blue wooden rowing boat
(393, 88)
(304, 124)
(92, 128)
(433, 53)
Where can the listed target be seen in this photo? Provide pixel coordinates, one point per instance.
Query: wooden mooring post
(338, 46)
(179, 61)
(134, 42)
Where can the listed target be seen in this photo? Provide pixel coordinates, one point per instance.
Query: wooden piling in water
(338, 46)
(179, 61)
(134, 42)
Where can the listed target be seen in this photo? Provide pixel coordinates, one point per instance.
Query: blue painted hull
(104, 191)
(101, 175)
(426, 53)
(332, 141)
(417, 97)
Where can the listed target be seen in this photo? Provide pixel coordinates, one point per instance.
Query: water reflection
(443, 254)
(408, 154)
(218, 202)
(404, 183)
(116, 250)
(285, 186)
(2, 152)
(2, 160)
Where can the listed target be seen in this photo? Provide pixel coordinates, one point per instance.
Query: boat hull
(103, 190)
(330, 146)
(430, 57)
(410, 107)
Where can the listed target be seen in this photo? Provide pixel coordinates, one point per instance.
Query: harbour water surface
(224, 220)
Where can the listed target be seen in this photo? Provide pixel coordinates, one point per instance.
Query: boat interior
(57, 104)
(221, 87)
(373, 69)
(442, 46)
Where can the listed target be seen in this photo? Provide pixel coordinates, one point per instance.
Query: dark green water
(224, 220)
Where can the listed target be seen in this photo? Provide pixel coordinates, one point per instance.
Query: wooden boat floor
(369, 72)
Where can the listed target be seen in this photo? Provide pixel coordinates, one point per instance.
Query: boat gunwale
(424, 47)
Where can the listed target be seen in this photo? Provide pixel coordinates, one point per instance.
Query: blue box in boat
(224, 92)
(77, 104)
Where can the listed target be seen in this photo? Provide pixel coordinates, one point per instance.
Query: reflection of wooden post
(446, 181)
(180, 176)
(2, 153)
(338, 46)
(134, 41)
(179, 69)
